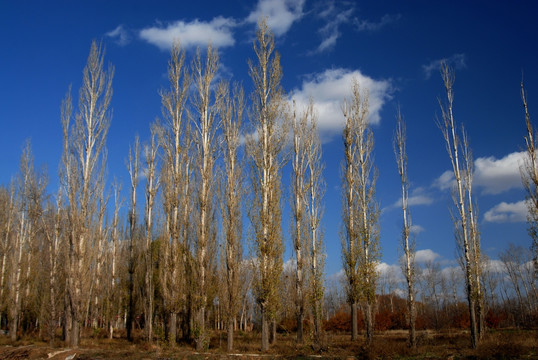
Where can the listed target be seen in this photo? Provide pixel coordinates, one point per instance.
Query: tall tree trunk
(230, 343)
(265, 331)
(354, 324)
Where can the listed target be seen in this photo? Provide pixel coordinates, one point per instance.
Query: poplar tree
(152, 186)
(206, 104)
(360, 238)
(174, 136)
(467, 235)
(265, 147)
(83, 165)
(232, 191)
(408, 245)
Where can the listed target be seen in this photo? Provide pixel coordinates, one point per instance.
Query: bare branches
(529, 177)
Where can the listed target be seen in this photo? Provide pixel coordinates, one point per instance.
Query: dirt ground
(503, 344)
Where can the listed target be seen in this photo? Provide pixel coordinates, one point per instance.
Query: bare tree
(133, 165)
(83, 161)
(113, 289)
(232, 117)
(53, 234)
(465, 221)
(152, 186)
(301, 137)
(7, 202)
(360, 238)
(206, 105)
(408, 245)
(28, 199)
(265, 147)
(315, 192)
(529, 177)
(174, 136)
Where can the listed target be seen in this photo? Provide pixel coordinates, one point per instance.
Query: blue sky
(394, 48)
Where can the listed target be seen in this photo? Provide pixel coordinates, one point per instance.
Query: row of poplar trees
(173, 260)
(166, 261)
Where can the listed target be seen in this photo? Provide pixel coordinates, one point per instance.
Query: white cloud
(389, 271)
(120, 35)
(366, 25)
(507, 212)
(423, 256)
(330, 88)
(492, 175)
(457, 61)
(280, 14)
(191, 34)
(334, 18)
(498, 175)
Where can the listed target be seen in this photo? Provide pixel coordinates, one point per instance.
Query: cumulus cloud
(280, 14)
(120, 35)
(366, 25)
(457, 61)
(191, 34)
(491, 175)
(329, 89)
(423, 256)
(495, 176)
(507, 212)
(334, 17)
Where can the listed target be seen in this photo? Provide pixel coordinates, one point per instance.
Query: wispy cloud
(491, 175)
(445, 181)
(330, 88)
(367, 25)
(418, 196)
(416, 229)
(507, 212)
(191, 34)
(457, 61)
(334, 17)
(120, 35)
(280, 14)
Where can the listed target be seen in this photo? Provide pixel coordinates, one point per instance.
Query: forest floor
(455, 344)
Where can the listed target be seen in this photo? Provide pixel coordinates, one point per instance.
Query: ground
(501, 344)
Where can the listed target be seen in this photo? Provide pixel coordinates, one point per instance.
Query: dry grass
(503, 344)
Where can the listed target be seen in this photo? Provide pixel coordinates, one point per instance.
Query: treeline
(90, 256)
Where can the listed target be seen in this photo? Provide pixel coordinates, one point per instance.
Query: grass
(499, 344)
